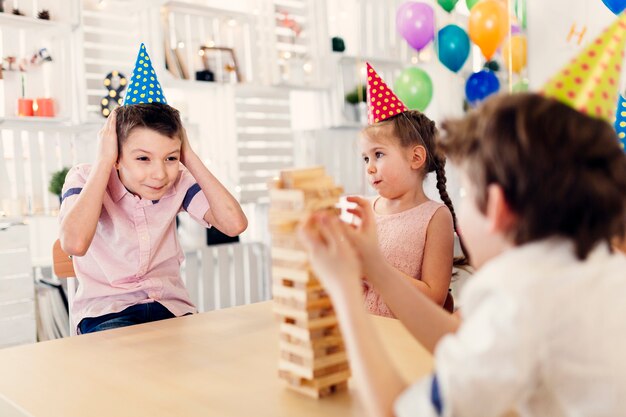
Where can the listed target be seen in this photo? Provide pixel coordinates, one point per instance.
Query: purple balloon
(416, 23)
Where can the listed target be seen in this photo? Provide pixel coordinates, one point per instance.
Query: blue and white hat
(144, 86)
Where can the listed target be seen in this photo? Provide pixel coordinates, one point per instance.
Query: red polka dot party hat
(590, 82)
(382, 103)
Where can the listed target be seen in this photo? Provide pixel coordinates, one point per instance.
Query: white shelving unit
(17, 292)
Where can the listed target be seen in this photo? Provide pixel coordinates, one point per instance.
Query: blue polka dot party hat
(620, 121)
(144, 86)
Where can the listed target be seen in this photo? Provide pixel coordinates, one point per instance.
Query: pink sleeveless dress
(402, 237)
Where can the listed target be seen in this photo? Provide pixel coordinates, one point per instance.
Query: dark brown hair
(159, 117)
(413, 128)
(562, 172)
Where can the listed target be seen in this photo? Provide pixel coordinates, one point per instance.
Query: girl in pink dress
(416, 234)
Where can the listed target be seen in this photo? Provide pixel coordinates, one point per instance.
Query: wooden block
(308, 335)
(307, 368)
(307, 352)
(291, 177)
(293, 274)
(323, 342)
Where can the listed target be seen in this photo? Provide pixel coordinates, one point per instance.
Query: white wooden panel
(17, 331)
(223, 275)
(19, 288)
(208, 277)
(264, 122)
(266, 151)
(14, 262)
(190, 276)
(228, 274)
(14, 237)
(265, 165)
(265, 137)
(239, 279)
(18, 308)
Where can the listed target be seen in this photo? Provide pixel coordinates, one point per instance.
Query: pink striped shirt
(135, 255)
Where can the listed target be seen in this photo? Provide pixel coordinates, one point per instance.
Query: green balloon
(520, 87)
(447, 5)
(415, 88)
(520, 12)
(471, 3)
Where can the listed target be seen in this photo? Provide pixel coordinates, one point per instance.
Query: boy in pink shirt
(118, 215)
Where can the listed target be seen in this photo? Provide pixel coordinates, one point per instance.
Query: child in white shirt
(542, 330)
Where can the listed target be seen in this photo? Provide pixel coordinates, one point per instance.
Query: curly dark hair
(563, 173)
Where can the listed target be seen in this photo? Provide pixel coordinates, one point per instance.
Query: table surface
(220, 363)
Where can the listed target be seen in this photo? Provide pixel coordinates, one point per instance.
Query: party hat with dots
(589, 83)
(144, 86)
(620, 121)
(381, 101)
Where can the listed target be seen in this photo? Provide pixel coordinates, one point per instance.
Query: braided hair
(412, 128)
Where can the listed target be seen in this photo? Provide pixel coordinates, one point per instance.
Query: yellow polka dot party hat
(144, 86)
(590, 82)
(381, 101)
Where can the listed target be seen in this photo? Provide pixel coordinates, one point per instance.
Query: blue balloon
(453, 45)
(481, 85)
(616, 6)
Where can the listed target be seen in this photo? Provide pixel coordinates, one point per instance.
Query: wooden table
(222, 363)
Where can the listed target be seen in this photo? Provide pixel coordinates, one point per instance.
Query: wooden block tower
(313, 359)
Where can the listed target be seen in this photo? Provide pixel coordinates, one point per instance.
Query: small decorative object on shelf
(358, 98)
(213, 56)
(44, 107)
(338, 44)
(17, 12)
(56, 182)
(205, 75)
(24, 105)
(44, 15)
(115, 82)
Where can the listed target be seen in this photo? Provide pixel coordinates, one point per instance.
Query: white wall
(549, 23)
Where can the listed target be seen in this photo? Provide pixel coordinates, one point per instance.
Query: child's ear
(418, 157)
(499, 214)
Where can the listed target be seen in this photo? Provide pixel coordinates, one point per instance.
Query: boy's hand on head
(332, 257)
(185, 147)
(107, 140)
(363, 237)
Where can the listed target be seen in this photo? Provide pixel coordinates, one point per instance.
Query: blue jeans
(137, 314)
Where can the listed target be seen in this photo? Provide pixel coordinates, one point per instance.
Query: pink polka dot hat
(382, 103)
(590, 82)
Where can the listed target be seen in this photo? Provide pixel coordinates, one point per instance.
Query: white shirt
(543, 333)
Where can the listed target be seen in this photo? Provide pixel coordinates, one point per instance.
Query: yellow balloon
(488, 25)
(515, 46)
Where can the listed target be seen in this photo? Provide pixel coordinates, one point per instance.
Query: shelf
(33, 123)
(343, 58)
(191, 84)
(349, 125)
(24, 22)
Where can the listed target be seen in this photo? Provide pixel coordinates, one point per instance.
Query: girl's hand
(185, 147)
(107, 140)
(363, 237)
(332, 257)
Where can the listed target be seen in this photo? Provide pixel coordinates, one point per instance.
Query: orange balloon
(516, 47)
(488, 25)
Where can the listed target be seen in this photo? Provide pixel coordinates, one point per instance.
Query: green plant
(57, 180)
(353, 96)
